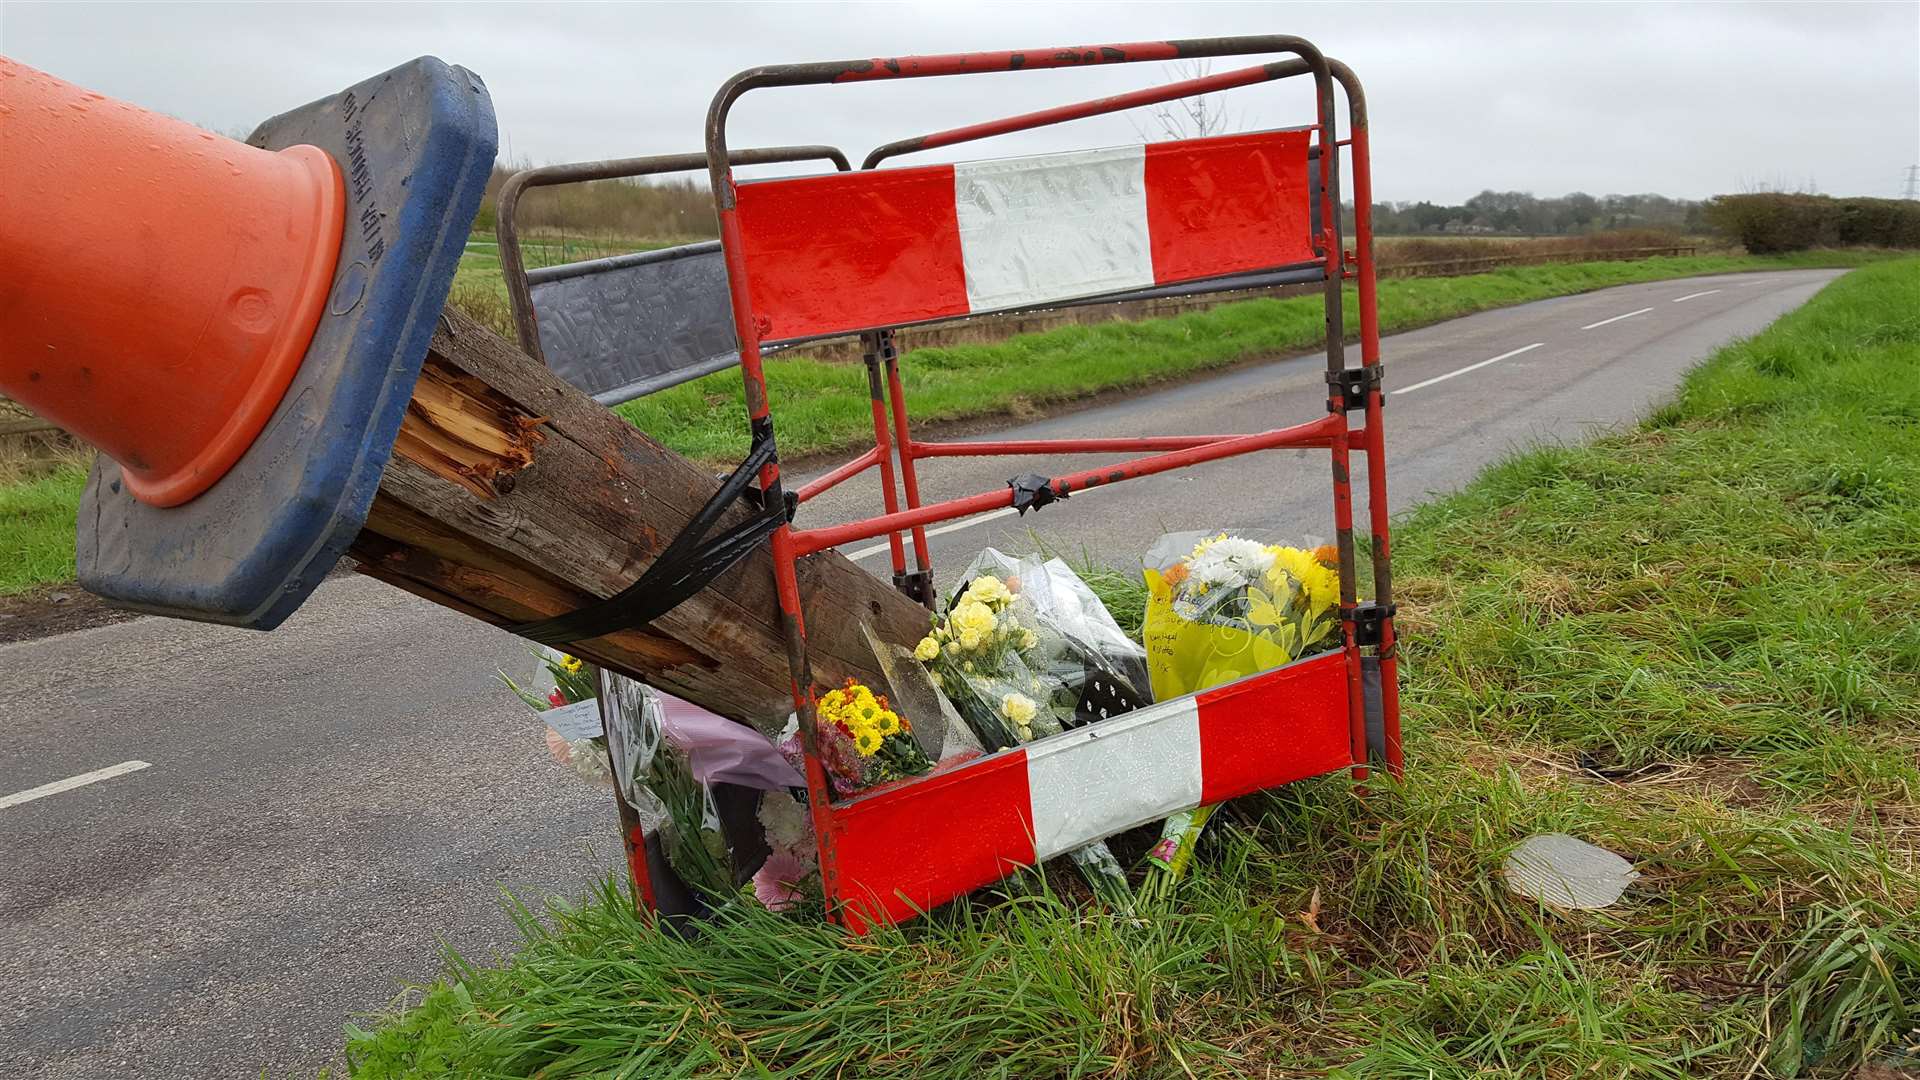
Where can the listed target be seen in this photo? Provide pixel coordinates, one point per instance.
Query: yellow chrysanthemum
(867, 742)
(1319, 583)
(887, 724)
(1200, 548)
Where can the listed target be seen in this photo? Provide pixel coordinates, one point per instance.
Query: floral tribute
(573, 681)
(1230, 607)
(980, 657)
(862, 740)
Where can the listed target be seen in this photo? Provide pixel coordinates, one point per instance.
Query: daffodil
(571, 664)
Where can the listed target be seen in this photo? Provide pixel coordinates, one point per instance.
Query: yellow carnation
(1018, 708)
(989, 590)
(975, 616)
(971, 639)
(928, 649)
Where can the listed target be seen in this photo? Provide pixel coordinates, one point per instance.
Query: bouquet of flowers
(1225, 607)
(862, 741)
(573, 739)
(1025, 650)
(665, 756)
(790, 876)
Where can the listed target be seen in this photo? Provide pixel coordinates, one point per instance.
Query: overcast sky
(1688, 100)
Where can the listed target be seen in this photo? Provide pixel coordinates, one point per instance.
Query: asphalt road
(322, 806)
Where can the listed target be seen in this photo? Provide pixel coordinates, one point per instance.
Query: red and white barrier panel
(854, 251)
(908, 848)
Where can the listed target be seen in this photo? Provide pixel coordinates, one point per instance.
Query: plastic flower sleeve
(634, 730)
(1087, 666)
(1222, 607)
(657, 778)
(1025, 650)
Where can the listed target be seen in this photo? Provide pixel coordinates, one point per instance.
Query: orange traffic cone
(161, 282)
(194, 307)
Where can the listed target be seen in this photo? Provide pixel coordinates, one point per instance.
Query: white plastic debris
(1567, 872)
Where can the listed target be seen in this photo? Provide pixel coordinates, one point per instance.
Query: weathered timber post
(513, 497)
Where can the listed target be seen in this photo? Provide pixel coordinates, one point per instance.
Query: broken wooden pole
(513, 497)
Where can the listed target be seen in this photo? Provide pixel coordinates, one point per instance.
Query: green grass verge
(36, 529)
(1721, 610)
(823, 406)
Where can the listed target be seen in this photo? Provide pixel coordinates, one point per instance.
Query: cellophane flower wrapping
(657, 778)
(560, 680)
(1025, 649)
(1222, 607)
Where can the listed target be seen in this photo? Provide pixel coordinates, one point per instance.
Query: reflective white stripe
(1097, 780)
(1046, 228)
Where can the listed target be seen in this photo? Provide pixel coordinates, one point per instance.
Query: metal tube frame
(506, 226)
(1332, 432)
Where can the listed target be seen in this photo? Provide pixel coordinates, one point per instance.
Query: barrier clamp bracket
(1368, 619)
(1347, 388)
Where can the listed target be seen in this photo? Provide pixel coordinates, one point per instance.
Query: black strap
(688, 564)
(1031, 491)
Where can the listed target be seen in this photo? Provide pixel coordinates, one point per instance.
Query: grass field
(36, 528)
(1697, 644)
(823, 406)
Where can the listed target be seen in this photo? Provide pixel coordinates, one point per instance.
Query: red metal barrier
(871, 251)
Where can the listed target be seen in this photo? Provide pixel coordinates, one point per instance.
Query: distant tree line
(1520, 213)
(1769, 222)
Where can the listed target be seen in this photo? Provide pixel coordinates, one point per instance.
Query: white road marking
(906, 534)
(1616, 318)
(71, 782)
(1691, 296)
(1469, 367)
